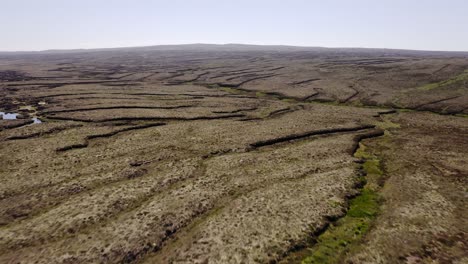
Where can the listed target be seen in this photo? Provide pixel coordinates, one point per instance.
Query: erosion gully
(340, 235)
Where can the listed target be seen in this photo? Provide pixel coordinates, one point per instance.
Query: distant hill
(249, 48)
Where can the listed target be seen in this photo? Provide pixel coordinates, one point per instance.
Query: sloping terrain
(233, 154)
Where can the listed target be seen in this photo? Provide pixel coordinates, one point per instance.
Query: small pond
(12, 116)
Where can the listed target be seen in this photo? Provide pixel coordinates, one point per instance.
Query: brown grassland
(234, 154)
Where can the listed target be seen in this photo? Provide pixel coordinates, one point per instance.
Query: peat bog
(233, 154)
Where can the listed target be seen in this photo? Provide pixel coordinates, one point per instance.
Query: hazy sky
(66, 24)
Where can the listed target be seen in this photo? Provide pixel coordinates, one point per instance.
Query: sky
(73, 24)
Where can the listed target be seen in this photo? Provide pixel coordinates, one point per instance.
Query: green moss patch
(347, 232)
(366, 205)
(387, 124)
(459, 78)
(372, 166)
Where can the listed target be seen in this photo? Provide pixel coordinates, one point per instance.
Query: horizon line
(221, 44)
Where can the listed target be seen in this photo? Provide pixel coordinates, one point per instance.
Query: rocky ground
(234, 154)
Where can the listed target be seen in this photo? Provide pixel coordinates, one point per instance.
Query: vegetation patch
(345, 235)
(457, 79)
(289, 100)
(387, 124)
(231, 90)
